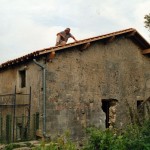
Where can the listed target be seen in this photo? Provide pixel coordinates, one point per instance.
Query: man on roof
(62, 37)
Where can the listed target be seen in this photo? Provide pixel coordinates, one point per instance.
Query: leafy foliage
(133, 137)
(147, 21)
(104, 140)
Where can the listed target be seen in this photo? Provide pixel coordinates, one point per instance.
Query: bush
(133, 137)
(103, 140)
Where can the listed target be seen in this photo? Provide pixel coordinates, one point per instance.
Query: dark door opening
(109, 107)
(105, 107)
(140, 109)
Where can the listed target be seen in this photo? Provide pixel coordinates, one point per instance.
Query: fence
(15, 117)
(22, 131)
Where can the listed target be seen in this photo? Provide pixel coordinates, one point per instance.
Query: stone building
(98, 81)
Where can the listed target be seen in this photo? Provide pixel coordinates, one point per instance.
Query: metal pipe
(44, 94)
(14, 117)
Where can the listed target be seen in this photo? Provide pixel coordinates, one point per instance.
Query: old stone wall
(78, 81)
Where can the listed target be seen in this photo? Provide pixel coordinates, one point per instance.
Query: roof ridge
(56, 48)
(116, 32)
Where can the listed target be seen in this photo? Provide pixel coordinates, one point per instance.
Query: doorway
(109, 107)
(105, 107)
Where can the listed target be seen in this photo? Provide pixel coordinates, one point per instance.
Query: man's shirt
(64, 36)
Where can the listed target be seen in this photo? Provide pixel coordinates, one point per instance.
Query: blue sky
(30, 25)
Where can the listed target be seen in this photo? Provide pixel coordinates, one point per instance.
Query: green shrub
(133, 137)
(103, 140)
(138, 137)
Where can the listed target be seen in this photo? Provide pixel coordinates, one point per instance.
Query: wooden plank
(146, 51)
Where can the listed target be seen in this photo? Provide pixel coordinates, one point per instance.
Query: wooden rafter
(111, 39)
(131, 33)
(146, 51)
(85, 46)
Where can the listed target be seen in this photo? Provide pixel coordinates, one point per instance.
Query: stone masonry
(78, 81)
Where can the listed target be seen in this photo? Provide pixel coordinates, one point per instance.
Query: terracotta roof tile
(136, 37)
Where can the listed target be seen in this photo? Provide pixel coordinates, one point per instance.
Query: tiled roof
(131, 33)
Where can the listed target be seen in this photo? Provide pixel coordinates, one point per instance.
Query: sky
(30, 25)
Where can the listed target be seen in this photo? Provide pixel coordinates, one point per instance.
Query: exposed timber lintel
(146, 51)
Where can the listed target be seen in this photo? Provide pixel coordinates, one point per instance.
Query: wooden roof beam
(131, 34)
(85, 46)
(146, 51)
(109, 40)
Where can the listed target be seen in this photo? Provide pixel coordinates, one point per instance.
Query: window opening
(140, 107)
(22, 74)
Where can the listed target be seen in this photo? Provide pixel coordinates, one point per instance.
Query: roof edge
(136, 37)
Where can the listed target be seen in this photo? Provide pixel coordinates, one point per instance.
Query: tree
(147, 21)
